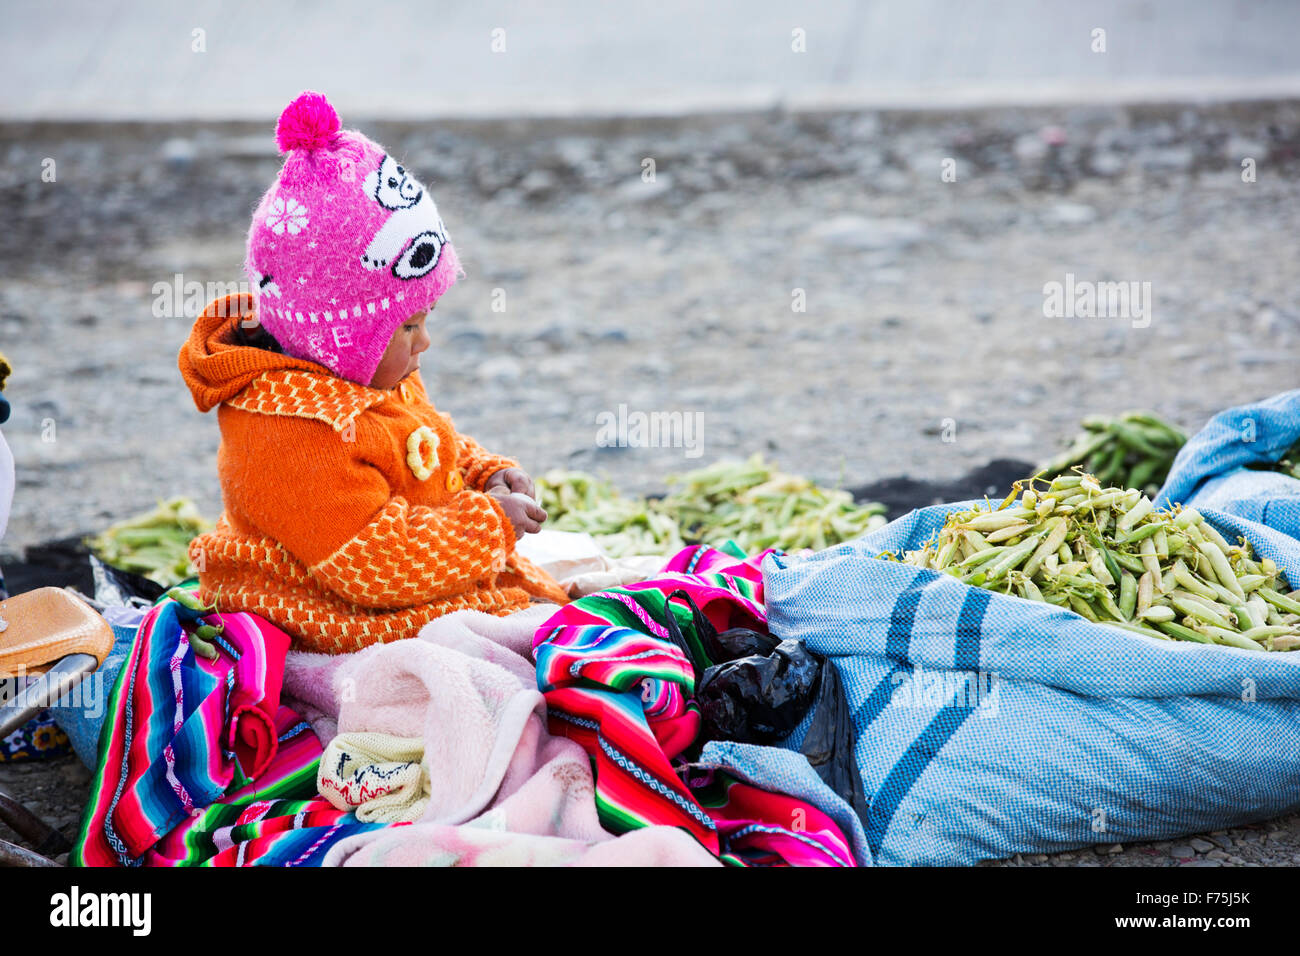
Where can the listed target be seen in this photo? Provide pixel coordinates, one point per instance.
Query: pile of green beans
(1106, 553)
(749, 502)
(759, 507)
(155, 544)
(578, 501)
(1134, 450)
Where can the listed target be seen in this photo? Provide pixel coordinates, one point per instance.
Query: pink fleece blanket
(504, 791)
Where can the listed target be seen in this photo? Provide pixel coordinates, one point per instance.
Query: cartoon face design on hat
(413, 236)
(392, 187)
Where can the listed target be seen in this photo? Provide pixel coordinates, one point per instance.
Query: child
(354, 511)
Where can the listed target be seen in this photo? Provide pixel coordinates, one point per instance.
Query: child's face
(401, 358)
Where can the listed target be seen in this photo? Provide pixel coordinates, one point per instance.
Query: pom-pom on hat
(309, 122)
(345, 246)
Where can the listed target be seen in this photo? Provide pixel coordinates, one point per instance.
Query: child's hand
(525, 514)
(511, 479)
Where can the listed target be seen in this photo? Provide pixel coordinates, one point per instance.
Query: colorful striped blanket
(617, 682)
(198, 761)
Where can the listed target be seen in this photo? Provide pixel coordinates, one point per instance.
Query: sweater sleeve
(335, 513)
(478, 464)
(411, 554)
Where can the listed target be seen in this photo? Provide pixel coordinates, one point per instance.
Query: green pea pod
(203, 648)
(1172, 435)
(946, 553)
(1158, 613)
(1078, 452)
(1127, 594)
(1030, 590)
(1107, 556)
(1083, 608)
(1162, 544)
(1134, 514)
(187, 599)
(1188, 580)
(1184, 633)
(1014, 557)
(1096, 461)
(1231, 638)
(1267, 631)
(1108, 605)
(1245, 616)
(1114, 462)
(1222, 568)
(1161, 437)
(981, 557)
(1138, 533)
(1252, 582)
(1129, 562)
(1132, 437)
(1138, 629)
(1199, 611)
(1144, 471)
(1278, 601)
(1054, 539)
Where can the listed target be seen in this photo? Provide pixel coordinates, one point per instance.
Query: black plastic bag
(761, 697)
(831, 742)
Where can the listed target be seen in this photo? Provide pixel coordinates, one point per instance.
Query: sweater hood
(217, 366)
(219, 369)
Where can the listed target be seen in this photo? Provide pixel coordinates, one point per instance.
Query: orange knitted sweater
(353, 515)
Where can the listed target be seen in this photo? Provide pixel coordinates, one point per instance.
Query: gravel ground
(922, 351)
(55, 790)
(1271, 843)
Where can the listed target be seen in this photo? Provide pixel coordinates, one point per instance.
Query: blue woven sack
(1212, 469)
(989, 725)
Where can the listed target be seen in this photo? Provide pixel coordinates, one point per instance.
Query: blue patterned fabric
(989, 725)
(787, 771)
(1210, 470)
(81, 714)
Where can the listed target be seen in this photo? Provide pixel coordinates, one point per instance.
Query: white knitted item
(383, 776)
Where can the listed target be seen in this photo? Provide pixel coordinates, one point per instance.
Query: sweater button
(454, 480)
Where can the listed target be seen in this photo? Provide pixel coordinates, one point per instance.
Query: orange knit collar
(329, 398)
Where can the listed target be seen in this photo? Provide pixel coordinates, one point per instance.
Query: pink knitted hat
(345, 246)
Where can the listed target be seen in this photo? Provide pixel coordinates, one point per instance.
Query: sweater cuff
(478, 471)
